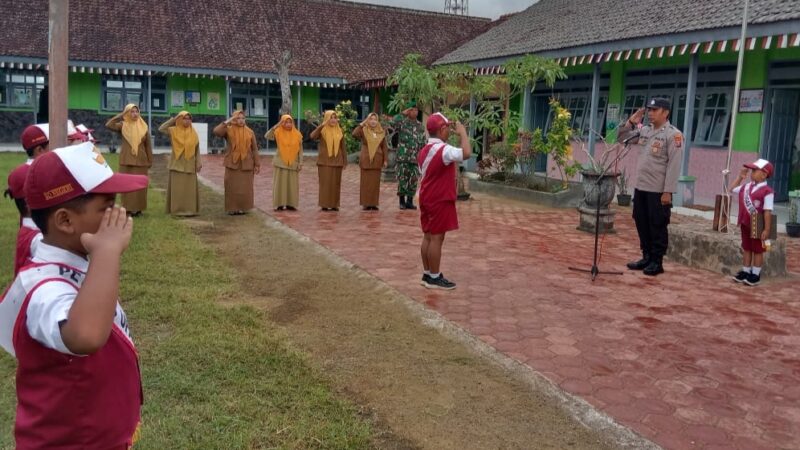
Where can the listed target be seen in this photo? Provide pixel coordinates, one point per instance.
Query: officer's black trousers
(651, 219)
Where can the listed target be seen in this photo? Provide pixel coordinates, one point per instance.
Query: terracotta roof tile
(328, 38)
(562, 24)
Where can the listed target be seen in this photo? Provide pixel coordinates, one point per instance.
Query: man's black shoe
(654, 268)
(640, 264)
(410, 203)
(402, 201)
(439, 283)
(741, 276)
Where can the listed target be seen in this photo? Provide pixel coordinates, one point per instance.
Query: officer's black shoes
(741, 276)
(640, 264)
(752, 279)
(653, 268)
(410, 203)
(402, 201)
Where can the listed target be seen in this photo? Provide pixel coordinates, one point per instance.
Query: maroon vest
(439, 182)
(757, 199)
(22, 257)
(75, 402)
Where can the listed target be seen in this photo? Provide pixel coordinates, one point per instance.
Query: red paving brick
(688, 359)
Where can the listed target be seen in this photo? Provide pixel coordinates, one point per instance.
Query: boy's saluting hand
(113, 235)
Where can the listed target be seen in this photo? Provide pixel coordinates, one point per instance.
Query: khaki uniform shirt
(250, 161)
(323, 159)
(144, 155)
(660, 157)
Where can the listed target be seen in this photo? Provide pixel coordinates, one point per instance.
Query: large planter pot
(624, 199)
(793, 229)
(597, 190)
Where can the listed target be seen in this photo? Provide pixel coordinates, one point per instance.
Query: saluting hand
(113, 235)
(636, 118)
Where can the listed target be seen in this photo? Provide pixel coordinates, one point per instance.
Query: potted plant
(599, 186)
(623, 198)
(792, 225)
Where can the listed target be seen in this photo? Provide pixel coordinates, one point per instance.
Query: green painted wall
(616, 96)
(205, 86)
(310, 99)
(84, 91)
(748, 125)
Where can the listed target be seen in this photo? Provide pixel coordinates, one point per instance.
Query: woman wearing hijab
(183, 195)
(331, 160)
(136, 153)
(372, 160)
(287, 163)
(241, 163)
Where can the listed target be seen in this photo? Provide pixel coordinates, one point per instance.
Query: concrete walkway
(688, 359)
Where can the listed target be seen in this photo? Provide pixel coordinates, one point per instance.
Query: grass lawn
(214, 376)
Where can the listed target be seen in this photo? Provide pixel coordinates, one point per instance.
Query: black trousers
(651, 219)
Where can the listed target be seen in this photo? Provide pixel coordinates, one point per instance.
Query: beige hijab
(240, 138)
(289, 141)
(133, 130)
(184, 139)
(374, 137)
(332, 134)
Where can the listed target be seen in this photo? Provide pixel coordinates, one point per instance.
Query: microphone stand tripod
(594, 269)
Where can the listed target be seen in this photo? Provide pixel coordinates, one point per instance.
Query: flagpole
(735, 113)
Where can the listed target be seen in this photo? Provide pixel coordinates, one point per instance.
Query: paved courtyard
(688, 359)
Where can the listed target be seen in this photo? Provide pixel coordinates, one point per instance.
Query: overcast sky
(483, 8)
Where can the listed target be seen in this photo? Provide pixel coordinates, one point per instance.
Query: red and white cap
(435, 123)
(86, 132)
(35, 135)
(762, 164)
(66, 173)
(16, 181)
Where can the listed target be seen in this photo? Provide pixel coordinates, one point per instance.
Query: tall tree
(282, 64)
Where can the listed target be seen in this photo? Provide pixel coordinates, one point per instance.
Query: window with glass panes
(20, 90)
(330, 97)
(575, 94)
(259, 101)
(121, 91)
(158, 94)
(712, 103)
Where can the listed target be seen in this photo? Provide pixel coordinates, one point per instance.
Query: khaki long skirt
(370, 187)
(330, 186)
(183, 196)
(134, 201)
(285, 188)
(238, 190)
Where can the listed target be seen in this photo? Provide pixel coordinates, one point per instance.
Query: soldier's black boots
(654, 268)
(402, 201)
(410, 203)
(640, 264)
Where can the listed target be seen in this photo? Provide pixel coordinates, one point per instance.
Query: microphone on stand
(635, 135)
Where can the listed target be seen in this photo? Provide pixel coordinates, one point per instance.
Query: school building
(620, 53)
(212, 57)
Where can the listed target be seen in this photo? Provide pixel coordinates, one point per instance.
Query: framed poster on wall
(176, 99)
(751, 100)
(212, 101)
(193, 97)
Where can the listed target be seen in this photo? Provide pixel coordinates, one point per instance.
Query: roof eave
(715, 34)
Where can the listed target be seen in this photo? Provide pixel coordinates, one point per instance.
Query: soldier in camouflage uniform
(410, 138)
